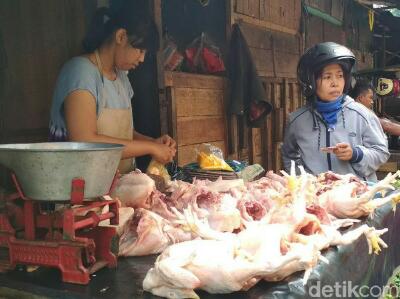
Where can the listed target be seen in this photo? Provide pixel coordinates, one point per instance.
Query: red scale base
(69, 239)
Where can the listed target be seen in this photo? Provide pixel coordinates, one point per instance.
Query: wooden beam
(388, 167)
(156, 6)
(178, 79)
(262, 23)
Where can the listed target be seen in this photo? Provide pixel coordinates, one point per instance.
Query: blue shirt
(80, 73)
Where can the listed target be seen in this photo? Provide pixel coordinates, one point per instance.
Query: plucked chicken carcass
(344, 200)
(225, 262)
(134, 189)
(149, 233)
(218, 207)
(295, 229)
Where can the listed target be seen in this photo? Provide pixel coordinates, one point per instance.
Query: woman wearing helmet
(332, 131)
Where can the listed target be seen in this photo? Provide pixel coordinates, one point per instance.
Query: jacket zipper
(328, 144)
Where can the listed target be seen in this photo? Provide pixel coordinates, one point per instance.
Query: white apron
(117, 123)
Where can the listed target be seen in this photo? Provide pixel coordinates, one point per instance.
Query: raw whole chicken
(343, 200)
(226, 264)
(134, 189)
(149, 233)
(295, 226)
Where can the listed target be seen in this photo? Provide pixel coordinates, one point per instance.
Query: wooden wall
(37, 38)
(286, 97)
(334, 8)
(282, 15)
(271, 29)
(197, 113)
(354, 32)
(317, 31)
(275, 53)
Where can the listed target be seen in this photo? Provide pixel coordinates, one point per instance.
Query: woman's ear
(121, 37)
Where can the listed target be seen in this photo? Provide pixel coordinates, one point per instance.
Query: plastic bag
(203, 56)
(210, 157)
(172, 58)
(158, 169)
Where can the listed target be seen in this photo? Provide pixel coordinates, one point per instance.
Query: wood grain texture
(193, 130)
(41, 36)
(198, 102)
(179, 79)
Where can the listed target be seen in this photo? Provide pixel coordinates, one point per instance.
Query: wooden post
(384, 48)
(171, 117)
(163, 102)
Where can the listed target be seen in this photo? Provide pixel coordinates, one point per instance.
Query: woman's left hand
(343, 151)
(167, 140)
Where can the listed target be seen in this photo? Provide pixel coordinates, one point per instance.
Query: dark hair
(132, 16)
(361, 87)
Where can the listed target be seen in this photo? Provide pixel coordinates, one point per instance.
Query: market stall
(350, 264)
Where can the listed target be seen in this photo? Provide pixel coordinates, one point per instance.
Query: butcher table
(347, 263)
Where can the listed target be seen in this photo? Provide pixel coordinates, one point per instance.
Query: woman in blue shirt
(92, 98)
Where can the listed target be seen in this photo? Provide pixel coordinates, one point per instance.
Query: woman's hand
(167, 140)
(163, 153)
(343, 151)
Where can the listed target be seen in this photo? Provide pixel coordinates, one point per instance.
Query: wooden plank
(269, 142)
(254, 8)
(314, 31)
(262, 60)
(296, 19)
(245, 10)
(239, 6)
(287, 99)
(264, 10)
(277, 97)
(233, 141)
(283, 14)
(24, 135)
(279, 80)
(388, 167)
(279, 124)
(178, 79)
(264, 152)
(171, 113)
(40, 38)
(263, 24)
(334, 33)
(286, 43)
(197, 102)
(338, 9)
(200, 129)
(256, 136)
(188, 154)
(278, 165)
(286, 64)
(257, 160)
(365, 60)
(296, 97)
(224, 107)
(165, 121)
(256, 37)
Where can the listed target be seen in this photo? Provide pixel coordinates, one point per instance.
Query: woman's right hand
(163, 153)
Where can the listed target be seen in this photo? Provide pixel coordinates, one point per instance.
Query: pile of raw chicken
(225, 236)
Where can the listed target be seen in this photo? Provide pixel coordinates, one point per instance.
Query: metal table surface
(347, 263)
